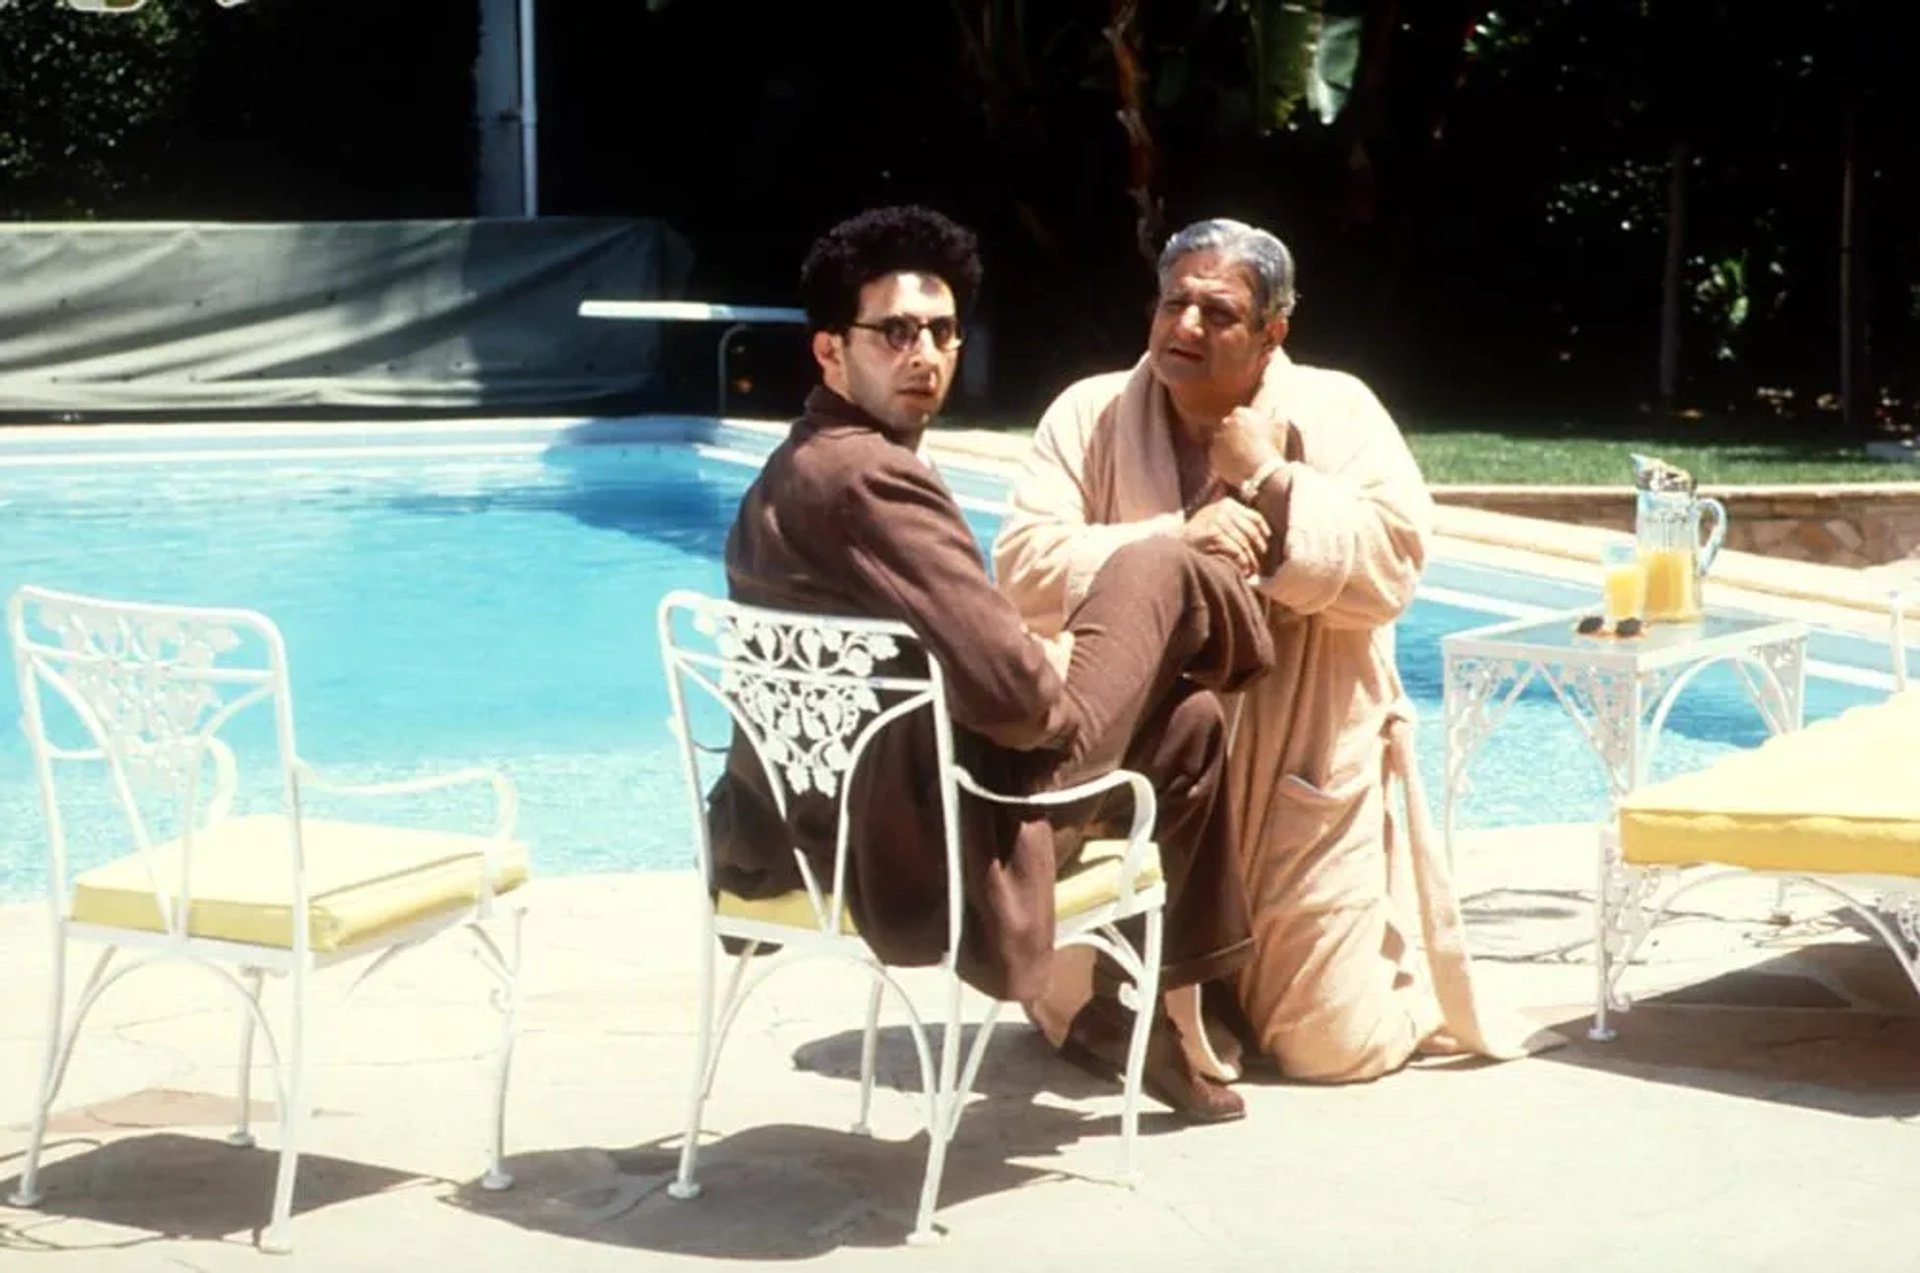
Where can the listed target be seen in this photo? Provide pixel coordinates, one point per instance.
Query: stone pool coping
(1859, 524)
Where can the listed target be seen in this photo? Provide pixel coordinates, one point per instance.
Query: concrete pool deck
(1755, 1113)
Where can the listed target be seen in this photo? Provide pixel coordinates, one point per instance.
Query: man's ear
(1276, 332)
(826, 350)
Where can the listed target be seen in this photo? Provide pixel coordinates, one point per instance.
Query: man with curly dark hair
(848, 518)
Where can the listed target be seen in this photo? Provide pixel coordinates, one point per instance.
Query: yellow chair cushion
(1095, 881)
(1839, 797)
(362, 880)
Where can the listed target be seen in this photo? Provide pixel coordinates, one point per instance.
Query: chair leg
(1605, 898)
(684, 1186)
(941, 1118)
(241, 1137)
(52, 1067)
(293, 1116)
(1144, 1013)
(869, 1042)
(506, 1001)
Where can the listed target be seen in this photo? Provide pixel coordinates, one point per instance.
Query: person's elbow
(1375, 599)
(1391, 598)
(1022, 711)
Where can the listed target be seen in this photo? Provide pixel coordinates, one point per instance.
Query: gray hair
(1265, 257)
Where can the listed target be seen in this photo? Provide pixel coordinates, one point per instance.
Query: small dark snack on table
(1596, 625)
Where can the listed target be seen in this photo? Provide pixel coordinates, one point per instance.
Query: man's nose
(1190, 323)
(923, 349)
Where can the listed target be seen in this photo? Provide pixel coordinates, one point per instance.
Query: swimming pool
(486, 596)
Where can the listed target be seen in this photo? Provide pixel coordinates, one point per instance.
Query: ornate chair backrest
(809, 694)
(142, 694)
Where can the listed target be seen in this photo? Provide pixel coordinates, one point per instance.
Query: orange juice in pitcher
(1678, 534)
(1672, 593)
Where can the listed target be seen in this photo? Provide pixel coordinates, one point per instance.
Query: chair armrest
(1139, 835)
(506, 801)
(1145, 806)
(226, 781)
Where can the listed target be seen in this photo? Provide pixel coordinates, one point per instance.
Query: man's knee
(1326, 1003)
(1156, 561)
(1169, 560)
(1351, 1042)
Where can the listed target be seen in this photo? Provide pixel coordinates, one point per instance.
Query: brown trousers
(1162, 632)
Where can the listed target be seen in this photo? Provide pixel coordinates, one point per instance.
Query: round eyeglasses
(901, 333)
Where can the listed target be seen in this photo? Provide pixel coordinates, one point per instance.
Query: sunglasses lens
(901, 333)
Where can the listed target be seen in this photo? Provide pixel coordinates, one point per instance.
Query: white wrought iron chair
(811, 694)
(147, 693)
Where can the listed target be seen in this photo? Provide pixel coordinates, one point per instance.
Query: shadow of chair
(786, 1191)
(165, 1185)
(1024, 1065)
(1832, 1027)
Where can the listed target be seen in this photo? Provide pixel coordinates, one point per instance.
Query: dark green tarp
(207, 320)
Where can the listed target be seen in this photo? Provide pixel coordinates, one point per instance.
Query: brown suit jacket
(845, 519)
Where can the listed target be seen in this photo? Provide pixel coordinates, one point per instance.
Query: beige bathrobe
(1360, 956)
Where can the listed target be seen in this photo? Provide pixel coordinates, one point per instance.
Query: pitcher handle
(1710, 544)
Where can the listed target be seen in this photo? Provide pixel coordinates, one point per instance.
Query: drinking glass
(1624, 581)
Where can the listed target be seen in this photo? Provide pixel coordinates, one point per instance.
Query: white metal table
(1619, 693)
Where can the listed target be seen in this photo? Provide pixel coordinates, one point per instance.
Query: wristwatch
(1250, 489)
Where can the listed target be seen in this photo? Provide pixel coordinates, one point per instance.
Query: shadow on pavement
(792, 1192)
(1832, 1027)
(166, 1185)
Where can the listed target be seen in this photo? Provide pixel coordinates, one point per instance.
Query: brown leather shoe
(1097, 1043)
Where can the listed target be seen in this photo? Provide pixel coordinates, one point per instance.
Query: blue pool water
(498, 609)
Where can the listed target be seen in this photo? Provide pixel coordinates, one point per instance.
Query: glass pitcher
(1678, 535)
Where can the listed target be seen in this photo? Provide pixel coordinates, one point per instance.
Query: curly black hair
(882, 241)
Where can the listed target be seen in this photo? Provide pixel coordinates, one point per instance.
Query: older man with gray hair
(1299, 476)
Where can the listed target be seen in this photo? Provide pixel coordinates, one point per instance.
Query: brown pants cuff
(1212, 966)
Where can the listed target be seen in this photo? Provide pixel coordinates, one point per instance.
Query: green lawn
(1755, 453)
(1449, 456)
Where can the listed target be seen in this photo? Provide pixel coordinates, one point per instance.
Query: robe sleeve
(910, 547)
(1356, 538)
(1050, 546)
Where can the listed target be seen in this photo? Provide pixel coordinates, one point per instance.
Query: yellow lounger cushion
(1095, 882)
(1840, 797)
(362, 880)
